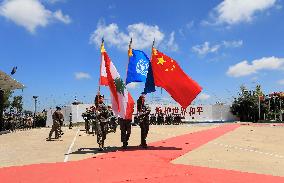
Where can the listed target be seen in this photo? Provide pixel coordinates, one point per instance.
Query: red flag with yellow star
(168, 75)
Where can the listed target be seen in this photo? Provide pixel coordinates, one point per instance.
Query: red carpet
(136, 165)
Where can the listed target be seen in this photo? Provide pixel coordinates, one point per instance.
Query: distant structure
(194, 113)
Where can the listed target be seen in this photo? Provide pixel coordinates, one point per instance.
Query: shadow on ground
(87, 150)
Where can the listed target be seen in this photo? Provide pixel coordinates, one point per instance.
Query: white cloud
(188, 26)
(233, 44)
(82, 75)
(255, 78)
(142, 35)
(278, 7)
(63, 18)
(171, 44)
(266, 63)
(30, 13)
(203, 96)
(111, 6)
(205, 48)
(53, 1)
(281, 82)
(237, 11)
(132, 85)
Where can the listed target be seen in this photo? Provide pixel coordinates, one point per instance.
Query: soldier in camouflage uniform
(86, 116)
(102, 114)
(143, 117)
(125, 128)
(70, 121)
(57, 117)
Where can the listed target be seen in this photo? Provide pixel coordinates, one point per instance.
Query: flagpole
(151, 59)
(99, 89)
(129, 49)
(153, 45)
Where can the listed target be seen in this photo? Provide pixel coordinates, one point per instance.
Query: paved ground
(189, 153)
(30, 147)
(256, 149)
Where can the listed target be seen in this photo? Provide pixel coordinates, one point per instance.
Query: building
(193, 113)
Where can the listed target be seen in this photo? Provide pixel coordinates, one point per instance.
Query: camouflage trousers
(144, 125)
(125, 128)
(101, 133)
(55, 128)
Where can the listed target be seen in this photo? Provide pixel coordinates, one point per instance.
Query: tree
(28, 113)
(246, 106)
(17, 103)
(6, 101)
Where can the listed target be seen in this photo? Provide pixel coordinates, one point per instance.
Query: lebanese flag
(121, 99)
(168, 75)
(103, 75)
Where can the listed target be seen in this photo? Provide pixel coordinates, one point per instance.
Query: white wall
(76, 111)
(198, 113)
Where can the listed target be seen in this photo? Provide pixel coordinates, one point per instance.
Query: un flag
(137, 67)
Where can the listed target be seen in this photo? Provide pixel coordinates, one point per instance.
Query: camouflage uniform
(70, 120)
(125, 128)
(86, 116)
(143, 117)
(102, 117)
(61, 119)
(57, 117)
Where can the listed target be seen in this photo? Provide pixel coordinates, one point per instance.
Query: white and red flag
(103, 75)
(121, 99)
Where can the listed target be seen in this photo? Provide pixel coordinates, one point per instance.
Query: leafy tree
(246, 106)
(28, 113)
(17, 103)
(6, 101)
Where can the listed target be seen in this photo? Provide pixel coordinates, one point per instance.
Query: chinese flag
(168, 75)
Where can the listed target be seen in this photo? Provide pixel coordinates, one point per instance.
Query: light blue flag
(137, 67)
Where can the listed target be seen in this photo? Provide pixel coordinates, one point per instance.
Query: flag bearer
(102, 117)
(143, 117)
(125, 127)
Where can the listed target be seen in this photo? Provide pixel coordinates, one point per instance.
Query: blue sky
(221, 44)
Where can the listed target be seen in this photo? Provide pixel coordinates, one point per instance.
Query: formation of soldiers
(161, 119)
(169, 119)
(100, 120)
(14, 122)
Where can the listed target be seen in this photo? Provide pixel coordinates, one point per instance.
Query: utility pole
(258, 107)
(274, 108)
(221, 106)
(1, 109)
(280, 109)
(269, 103)
(35, 98)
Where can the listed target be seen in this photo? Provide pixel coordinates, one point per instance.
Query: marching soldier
(102, 117)
(143, 116)
(112, 120)
(61, 119)
(152, 119)
(57, 117)
(125, 128)
(86, 116)
(70, 121)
